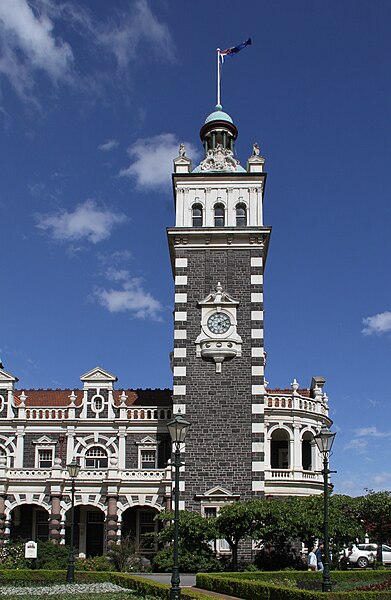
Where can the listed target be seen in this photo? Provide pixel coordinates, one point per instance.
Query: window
(45, 458)
(241, 215)
(41, 525)
(148, 459)
(197, 215)
(96, 458)
(97, 404)
(219, 215)
(210, 512)
(147, 525)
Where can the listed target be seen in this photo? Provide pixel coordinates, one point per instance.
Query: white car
(362, 555)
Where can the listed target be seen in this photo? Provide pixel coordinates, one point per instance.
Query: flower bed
(139, 585)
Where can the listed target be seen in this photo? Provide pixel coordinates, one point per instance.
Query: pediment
(219, 492)
(148, 441)
(98, 374)
(45, 440)
(219, 297)
(6, 377)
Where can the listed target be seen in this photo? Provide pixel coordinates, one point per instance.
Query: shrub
(12, 557)
(52, 556)
(189, 562)
(95, 563)
(126, 556)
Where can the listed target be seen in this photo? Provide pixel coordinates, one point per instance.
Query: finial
(295, 385)
(219, 107)
(1, 364)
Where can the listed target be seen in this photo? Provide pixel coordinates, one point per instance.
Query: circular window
(97, 404)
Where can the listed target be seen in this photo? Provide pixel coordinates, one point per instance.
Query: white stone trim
(180, 334)
(257, 427)
(256, 279)
(181, 315)
(257, 389)
(181, 505)
(257, 297)
(257, 370)
(257, 334)
(257, 352)
(180, 279)
(182, 485)
(257, 315)
(179, 390)
(257, 465)
(256, 261)
(181, 262)
(258, 486)
(180, 298)
(258, 446)
(180, 352)
(179, 371)
(257, 409)
(179, 408)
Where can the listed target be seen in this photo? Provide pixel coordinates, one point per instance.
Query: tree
(375, 512)
(194, 551)
(236, 522)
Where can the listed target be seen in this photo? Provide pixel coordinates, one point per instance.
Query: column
(111, 521)
(19, 446)
(297, 462)
(55, 520)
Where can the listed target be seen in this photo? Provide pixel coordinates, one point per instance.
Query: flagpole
(218, 77)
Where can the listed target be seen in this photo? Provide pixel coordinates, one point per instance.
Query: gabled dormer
(98, 400)
(7, 384)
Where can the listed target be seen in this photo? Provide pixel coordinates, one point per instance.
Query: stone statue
(182, 150)
(256, 149)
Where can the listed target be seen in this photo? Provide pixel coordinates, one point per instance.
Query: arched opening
(279, 451)
(197, 215)
(241, 215)
(219, 215)
(307, 451)
(88, 530)
(29, 522)
(138, 522)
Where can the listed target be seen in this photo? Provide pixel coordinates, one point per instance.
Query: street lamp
(73, 470)
(178, 429)
(324, 440)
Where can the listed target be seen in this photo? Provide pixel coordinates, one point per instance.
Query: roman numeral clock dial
(219, 323)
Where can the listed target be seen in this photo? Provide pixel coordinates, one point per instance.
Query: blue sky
(95, 97)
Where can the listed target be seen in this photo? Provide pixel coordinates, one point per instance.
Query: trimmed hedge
(257, 586)
(140, 585)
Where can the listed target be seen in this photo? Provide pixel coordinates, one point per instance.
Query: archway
(89, 530)
(279, 449)
(138, 522)
(29, 522)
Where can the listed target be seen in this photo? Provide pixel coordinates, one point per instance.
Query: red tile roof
(59, 397)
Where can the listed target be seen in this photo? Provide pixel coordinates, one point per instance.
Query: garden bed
(133, 586)
(297, 585)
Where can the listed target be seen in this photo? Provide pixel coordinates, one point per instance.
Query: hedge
(254, 586)
(139, 584)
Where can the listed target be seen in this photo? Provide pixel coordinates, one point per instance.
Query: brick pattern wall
(219, 406)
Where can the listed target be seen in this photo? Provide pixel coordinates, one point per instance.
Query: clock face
(219, 323)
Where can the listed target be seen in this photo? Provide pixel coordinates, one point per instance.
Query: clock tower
(218, 250)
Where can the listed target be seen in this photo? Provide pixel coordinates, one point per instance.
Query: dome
(218, 115)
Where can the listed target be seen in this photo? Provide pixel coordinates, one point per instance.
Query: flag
(229, 52)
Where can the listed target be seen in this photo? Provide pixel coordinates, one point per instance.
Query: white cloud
(28, 44)
(152, 158)
(87, 222)
(381, 478)
(124, 37)
(358, 445)
(130, 297)
(107, 146)
(371, 431)
(377, 324)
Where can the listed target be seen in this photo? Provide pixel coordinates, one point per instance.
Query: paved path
(187, 581)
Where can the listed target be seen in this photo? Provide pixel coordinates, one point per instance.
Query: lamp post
(324, 440)
(73, 470)
(178, 429)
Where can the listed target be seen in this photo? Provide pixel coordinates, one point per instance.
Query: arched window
(241, 215)
(219, 215)
(307, 451)
(279, 449)
(96, 458)
(197, 215)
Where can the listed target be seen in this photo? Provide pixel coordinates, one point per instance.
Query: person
(319, 556)
(311, 560)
